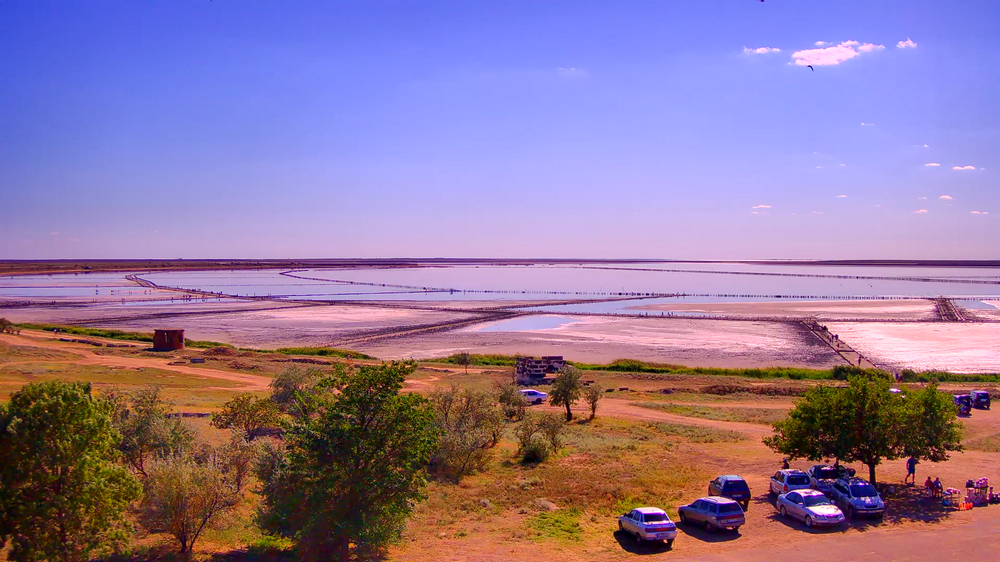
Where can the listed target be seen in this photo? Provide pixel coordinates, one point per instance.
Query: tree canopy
(865, 422)
(352, 471)
(247, 414)
(62, 497)
(140, 416)
(566, 389)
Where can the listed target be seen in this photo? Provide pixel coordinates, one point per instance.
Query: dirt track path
(85, 356)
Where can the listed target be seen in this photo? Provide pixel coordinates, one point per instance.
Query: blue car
(733, 487)
(857, 498)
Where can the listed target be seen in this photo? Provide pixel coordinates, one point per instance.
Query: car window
(794, 498)
(813, 501)
(699, 505)
(654, 517)
(736, 486)
(713, 508)
(839, 487)
(826, 474)
(633, 515)
(727, 508)
(798, 479)
(777, 476)
(863, 491)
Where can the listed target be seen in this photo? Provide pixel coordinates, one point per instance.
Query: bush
(536, 451)
(469, 426)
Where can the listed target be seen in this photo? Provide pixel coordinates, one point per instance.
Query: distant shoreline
(43, 267)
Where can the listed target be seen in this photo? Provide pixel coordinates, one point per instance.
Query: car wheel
(783, 511)
(670, 543)
(809, 521)
(708, 527)
(746, 505)
(620, 528)
(683, 517)
(850, 512)
(638, 540)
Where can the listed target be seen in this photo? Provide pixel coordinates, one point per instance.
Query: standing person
(911, 471)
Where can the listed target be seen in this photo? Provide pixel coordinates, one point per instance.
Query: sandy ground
(824, 310)
(603, 339)
(957, 347)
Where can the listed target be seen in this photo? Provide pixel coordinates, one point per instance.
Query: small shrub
(536, 451)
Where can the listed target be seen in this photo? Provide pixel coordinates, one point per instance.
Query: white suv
(785, 481)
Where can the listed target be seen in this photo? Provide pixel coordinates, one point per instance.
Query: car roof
(649, 510)
(730, 477)
(808, 492)
(819, 466)
(854, 480)
(717, 499)
(791, 471)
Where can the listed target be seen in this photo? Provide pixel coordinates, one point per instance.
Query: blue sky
(499, 128)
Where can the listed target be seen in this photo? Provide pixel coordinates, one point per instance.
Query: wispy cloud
(863, 124)
(945, 197)
(761, 206)
(921, 199)
(841, 196)
(980, 213)
(920, 211)
(843, 165)
(926, 146)
(908, 44)
(833, 55)
(570, 71)
(932, 164)
(818, 212)
(963, 167)
(760, 50)
(820, 167)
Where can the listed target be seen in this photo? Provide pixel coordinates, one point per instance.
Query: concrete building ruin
(532, 370)
(168, 339)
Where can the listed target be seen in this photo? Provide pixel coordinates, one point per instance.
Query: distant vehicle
(648, 524)
(732, 487)
(534, 396)
(822, 477)
(713, 513)
(811, 507)
(981, 399)
(857, 498)
(787, 480)
(964, 404)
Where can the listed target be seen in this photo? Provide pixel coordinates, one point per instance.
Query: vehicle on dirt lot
(964, 404)
(787, 480)
(733, 487)
(822, 477)
(533, 396)
(713, 513)
(811, 507)
(648, 524)
(981, 399)
(857, 498)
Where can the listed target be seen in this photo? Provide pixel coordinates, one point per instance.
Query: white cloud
(963, 167)
(980, 213)
(818, 212)
(821, 43)
(908, 44)
(760, 50)
(863, 124)
(926, 146)
(945, 197)
(761, 206)
(841, 196)
(843, 164)
(921, 199)
(820, 167)
(833, 55)
(932, 164)
(920, 211)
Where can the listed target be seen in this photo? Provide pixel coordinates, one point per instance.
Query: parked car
(857, 498)
(811, 507)
(533, 396)
(732, 487)
(981, 399)
(787, 480)
(648, 524)
(822, 477)
(964, 404)
(713, 513)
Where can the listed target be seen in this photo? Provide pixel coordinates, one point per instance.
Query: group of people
(935, 488)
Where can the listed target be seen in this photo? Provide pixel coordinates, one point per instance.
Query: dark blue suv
(732, 487)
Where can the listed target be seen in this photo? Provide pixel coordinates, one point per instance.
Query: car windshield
(813, 501)
(735, 486)
(827, 474)
(863, 491)
(798, 479)
(730, 508)
(654, 517)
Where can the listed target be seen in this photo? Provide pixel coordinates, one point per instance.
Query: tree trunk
(569, 414)
(871, 474)
(344, 548)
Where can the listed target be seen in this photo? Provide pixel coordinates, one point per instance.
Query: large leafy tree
(566, 389)
(62, 496)
(470, 424)
(353, 470)
(140, 416)
(247, 414)
(865, 422)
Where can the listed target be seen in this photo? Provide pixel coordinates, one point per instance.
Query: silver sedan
(811, 507)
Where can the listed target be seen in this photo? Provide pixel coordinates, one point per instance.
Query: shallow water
(528, 323)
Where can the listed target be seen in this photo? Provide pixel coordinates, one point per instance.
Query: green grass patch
(319, 351)
(488, 360)
(636, 366)
(560, 525)
(763, 416)
(93, 332)
(986, 443)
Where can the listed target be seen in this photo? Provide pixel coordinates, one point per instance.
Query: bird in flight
(810, 67)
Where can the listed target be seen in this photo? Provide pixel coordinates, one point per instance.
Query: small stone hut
(168, 339)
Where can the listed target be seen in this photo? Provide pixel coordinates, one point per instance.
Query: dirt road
(85, 356)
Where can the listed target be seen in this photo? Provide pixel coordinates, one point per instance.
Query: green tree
(294, 390)
(512, 402)
(551, 427)
(353, 472)
(62, 496)
(140, 416)
(865, 422)
(247, 414)
(463, 358)
(593, 394)
(566, 389)
(183, 498)
(470, 425)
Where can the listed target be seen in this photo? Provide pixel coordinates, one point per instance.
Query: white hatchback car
(648, 524)
(532, 396)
